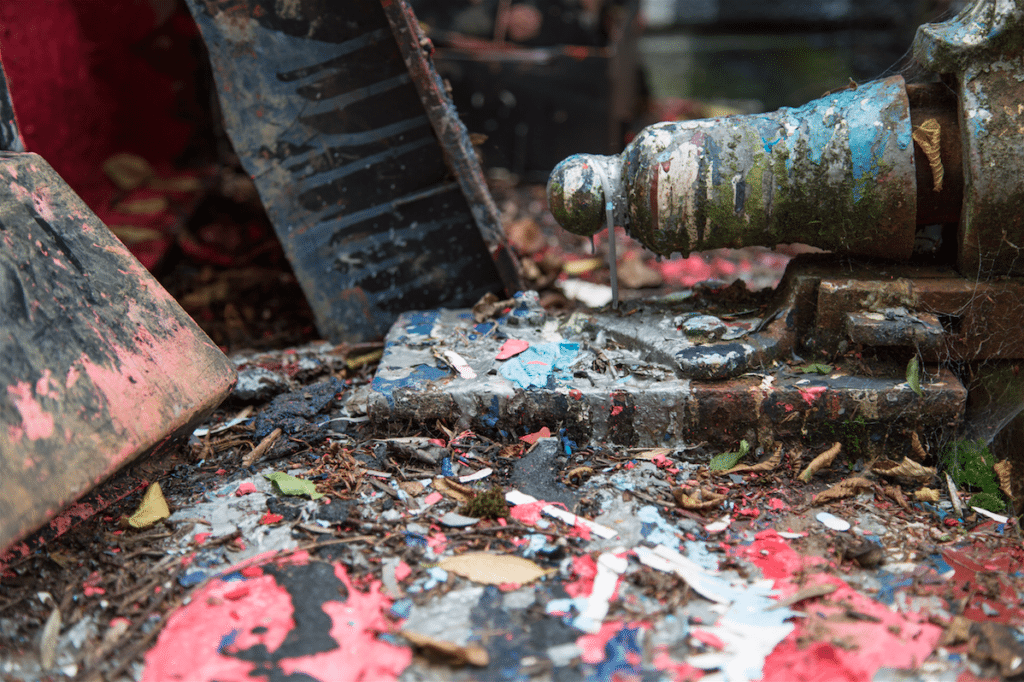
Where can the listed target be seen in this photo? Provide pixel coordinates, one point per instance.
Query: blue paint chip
(226, 641)
(192, 578)
(446, 467)
(402, 608)
(890, 585)
(415, 539)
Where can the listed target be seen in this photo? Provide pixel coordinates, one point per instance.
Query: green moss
(969, 464)
(488, 505)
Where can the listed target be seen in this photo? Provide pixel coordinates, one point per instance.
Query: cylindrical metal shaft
(837, 173)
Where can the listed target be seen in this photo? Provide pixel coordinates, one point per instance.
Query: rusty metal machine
(917, 191)
(906, 333)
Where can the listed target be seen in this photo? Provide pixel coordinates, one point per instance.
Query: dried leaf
(493, 569)
(1004, 474)
(845, 488)
(143, 206)
(812, 592)
(635, 274)
(472, 653)
(581, 266)
(699, 501)
(460, 493)
(651, 453)
(132, 234)
(290, 485)
(926, 495)
(153, 508)
(128, 171)
(914, 376)
(50, 638)
(907, 470)
(490, 306)
(917, 450)
(897, 495)
(769, 464)
(181, 183)
(261, 449)
(820, 462)
(727, 460)
(928, 136)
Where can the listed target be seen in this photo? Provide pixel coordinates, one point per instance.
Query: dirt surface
(909, 586)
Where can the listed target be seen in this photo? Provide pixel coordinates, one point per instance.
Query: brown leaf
(472, 653)
(897, 495)
(525, 236)
(698, 501)
(928, 136)
(917, 450)
(845, 488)
(820, 462)
(143, 206)
(456, 491)
(907, 470)
(490, 306)
(132, 234)
(769, 464)
(1004, 472)
(635, 274)
(493, 569)
(926, 495)
(128, 171)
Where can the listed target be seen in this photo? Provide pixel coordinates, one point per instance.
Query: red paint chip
(532, 438)
(228, 622)
(270, 518)
(511, 348)
(245, 488)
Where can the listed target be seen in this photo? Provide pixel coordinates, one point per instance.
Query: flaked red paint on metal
(837, 173)
(98, 363)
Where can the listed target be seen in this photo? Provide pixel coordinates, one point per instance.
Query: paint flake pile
(338, 553)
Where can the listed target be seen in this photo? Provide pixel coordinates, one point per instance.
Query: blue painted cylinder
(837, 173)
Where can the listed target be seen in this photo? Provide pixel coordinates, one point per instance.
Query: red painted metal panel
(98, 363)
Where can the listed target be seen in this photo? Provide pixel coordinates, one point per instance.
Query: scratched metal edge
(291, 81)
(126, 371)
(453, 136)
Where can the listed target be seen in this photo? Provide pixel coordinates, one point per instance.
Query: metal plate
(98, 363)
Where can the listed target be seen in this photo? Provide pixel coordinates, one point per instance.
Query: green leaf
(817, 368)
(914, 376)
(727, 460)
(289, 485)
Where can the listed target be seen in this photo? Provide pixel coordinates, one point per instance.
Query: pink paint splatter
(777, 504)
(891, 639)
(585, 569)
(270, 518)
(528, 513)
(532, 438)
(707, 638)
(245, 488)
(36, 423)
(511, 348)
(811, 393)
(432, 498)
(200, 538)
(402, 571)
(593, 646)
(226, 618)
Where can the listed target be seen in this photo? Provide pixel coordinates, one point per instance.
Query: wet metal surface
(633, 379)
(837, 173)
(325, 114)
